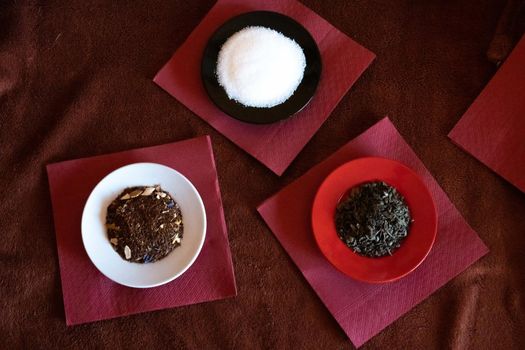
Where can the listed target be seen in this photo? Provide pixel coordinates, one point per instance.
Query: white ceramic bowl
(99, 248)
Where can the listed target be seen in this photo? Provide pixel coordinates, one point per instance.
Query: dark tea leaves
(373, 220)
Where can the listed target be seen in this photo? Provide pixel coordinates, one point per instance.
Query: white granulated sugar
(260, 67)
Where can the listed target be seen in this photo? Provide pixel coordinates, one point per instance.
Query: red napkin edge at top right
(493, 127)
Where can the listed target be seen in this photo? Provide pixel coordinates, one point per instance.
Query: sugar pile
(260, 67)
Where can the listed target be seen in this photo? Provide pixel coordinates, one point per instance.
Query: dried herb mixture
(144, 224)
(373, 220)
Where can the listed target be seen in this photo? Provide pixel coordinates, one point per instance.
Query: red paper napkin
(493, 128)
(89, 295)
(362, 309)
(274, 145)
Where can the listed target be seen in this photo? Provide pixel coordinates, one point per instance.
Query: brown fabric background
(75, 81)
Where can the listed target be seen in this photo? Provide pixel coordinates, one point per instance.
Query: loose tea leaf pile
(374, 219)
(144, 224)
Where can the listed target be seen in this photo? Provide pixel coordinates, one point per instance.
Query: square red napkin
(89, 295)
(274, 145)
(362, 309)
(493, 128)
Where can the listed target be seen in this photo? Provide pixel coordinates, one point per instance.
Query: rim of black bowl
(288, 27)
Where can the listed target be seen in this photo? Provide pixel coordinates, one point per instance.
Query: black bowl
(287, 27)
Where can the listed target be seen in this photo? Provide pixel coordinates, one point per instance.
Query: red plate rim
(422, 232)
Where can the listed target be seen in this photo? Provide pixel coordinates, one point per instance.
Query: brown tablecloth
(75, 81)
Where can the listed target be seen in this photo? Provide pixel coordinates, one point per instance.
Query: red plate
(422, 232)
